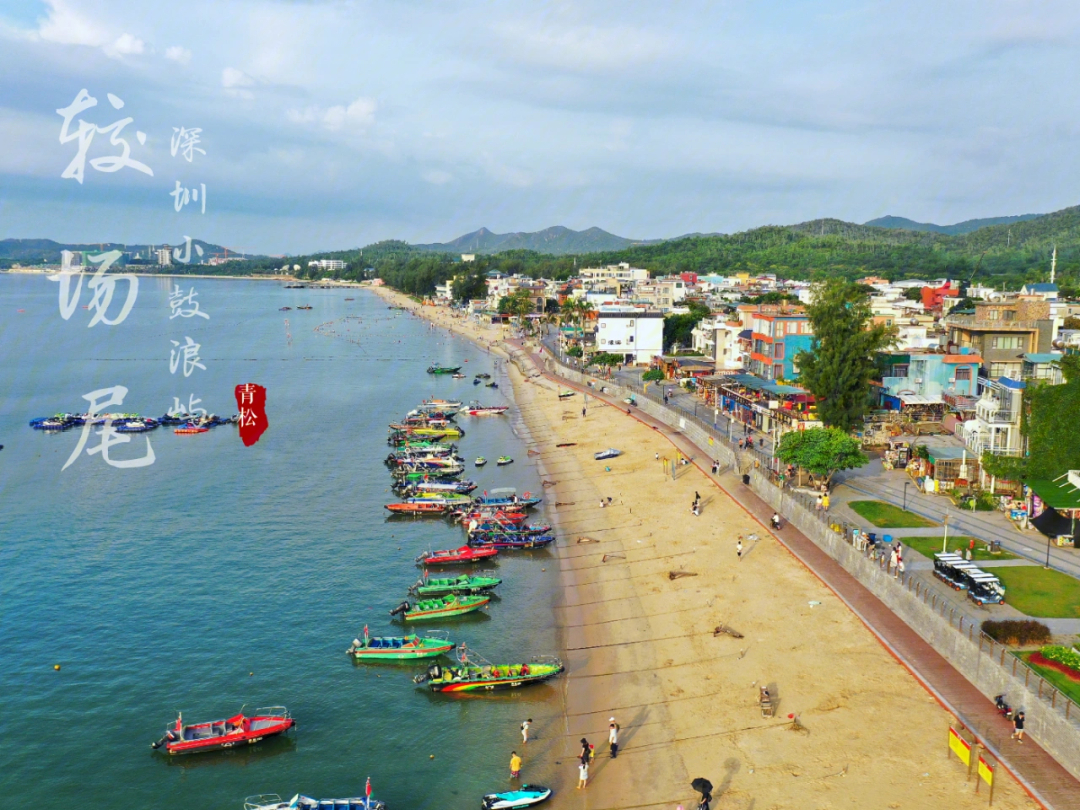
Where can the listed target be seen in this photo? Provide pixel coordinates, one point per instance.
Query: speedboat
(227, 733)
(271, 801)
(525, 796)
(459, 556)
(502, 461)
(398, 648)
(191, 428)
(611, 452)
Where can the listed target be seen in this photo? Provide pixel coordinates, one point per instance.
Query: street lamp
(906, 485)
(1047, 552)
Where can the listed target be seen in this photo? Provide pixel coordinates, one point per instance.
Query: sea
(222, 577)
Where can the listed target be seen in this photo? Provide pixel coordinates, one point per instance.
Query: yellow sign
(986, 771)
(959, 746)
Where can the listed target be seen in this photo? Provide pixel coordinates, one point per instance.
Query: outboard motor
(402, 608)
(169, 737)
(416, 585)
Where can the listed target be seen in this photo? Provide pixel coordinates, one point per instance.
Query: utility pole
(945, 540)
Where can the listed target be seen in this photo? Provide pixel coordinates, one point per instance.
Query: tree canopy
(821, 451)
(842, 358)
(679, 328)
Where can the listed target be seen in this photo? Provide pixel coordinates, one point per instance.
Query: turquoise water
(222, 575)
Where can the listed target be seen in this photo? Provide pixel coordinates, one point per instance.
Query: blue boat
(271, 801)
(507, 540)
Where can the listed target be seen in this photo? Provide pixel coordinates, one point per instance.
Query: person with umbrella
(704, 787)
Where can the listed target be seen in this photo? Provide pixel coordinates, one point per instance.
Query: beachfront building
(717, 338)
(1002, 332)
(636, 333)
(328, 264)
(768, 406)
(995, 428)
(618, 273)
(664, 293)
(164, 256)
(776, 338)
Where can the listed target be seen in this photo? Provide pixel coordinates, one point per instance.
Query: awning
(919, 399)
(1058, 494)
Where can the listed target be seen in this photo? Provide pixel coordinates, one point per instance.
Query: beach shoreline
(643, 582)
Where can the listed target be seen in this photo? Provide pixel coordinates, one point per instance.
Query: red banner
(251, 400)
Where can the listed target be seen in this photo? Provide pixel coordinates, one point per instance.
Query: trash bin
(746, 479)
(995, 547)
(872, 536)
(887, 539)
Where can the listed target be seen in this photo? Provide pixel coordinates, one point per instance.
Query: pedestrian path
(1041, 774)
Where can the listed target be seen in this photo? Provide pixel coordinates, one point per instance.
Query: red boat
(460, 556)
(217, 734)
(418, 508)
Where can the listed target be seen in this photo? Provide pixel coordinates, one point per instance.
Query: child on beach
(515, 765)
(583, 775)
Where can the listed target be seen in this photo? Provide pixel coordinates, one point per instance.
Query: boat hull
(490, 684)
(419, 648)
(226, 741)
(445, 611)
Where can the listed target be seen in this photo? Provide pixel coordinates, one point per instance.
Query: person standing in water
(525, 731)
(515, 765)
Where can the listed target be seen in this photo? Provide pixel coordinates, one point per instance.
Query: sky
(330, 125)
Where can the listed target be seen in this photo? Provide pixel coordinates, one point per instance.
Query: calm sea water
(223, 575)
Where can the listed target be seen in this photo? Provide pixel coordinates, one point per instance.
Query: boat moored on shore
(398, 648)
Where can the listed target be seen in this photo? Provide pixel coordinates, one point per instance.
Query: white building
(164, 256)
(663, 293)
(718, 340)
(996, 426)
(634, 332)
(445, 292)
(621, 272)
(328, 264)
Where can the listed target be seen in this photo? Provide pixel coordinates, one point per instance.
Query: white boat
(271, 801)
(611, 452)
(525, 796)
(476, 409)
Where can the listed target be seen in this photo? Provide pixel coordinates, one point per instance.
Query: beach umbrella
(702, 786)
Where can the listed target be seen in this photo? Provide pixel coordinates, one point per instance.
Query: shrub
(574, 351)
(1061, 655)
(653, 375)
(1017, 633)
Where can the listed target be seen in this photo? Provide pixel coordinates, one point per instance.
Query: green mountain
(46, 251)
(967, 226)
(556, 241)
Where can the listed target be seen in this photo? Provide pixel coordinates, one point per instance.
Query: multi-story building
(328, 264)
(996, 426)
(663, 293)
(636, 333)
(621, 272)
(927, 376)
(775, 339)
(718, 339)
(164, 256)
(1002, 332)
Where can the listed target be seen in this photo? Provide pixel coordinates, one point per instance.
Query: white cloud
(236, 82)
(437, 177)
(125, 45)
(178, 53)
(358, 115)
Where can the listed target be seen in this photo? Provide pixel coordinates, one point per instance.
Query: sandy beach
(640, 645)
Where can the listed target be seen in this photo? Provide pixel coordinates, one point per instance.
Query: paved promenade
(1036, 770)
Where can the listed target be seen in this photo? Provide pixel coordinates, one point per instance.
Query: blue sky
(335, 124)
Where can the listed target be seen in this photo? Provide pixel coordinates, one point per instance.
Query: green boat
(441, 608)
(474, 673)
(464, 584)
(398, 648)
(443, 369)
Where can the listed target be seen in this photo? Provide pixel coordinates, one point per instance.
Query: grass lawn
(886, 516)
(929, 546)
(1040, 593)
(1058, 679)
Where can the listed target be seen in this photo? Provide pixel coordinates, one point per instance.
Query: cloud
(360, 114)
(236, 82)
(125, 45)
(437, 177)
(64, 25)
(178, 53)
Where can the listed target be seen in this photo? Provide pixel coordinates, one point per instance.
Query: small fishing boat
(398, 648)
(307, 307)
(565, 394)
(476, 409)
(480, 461)
(506, 496)
(440, 404)
(191, 428)
(284, 309)
(492, 384)
(525, 796)
(443, 369)
(510, 540)
(228, 733)
(418, 508)
(466, 555)
(611, 452)
(476, 381)
(441, 608)
(465, 584)
(502, 461)
(474, 673)
(272, 801)
(458, 376)
(350, 299)
(483, 376)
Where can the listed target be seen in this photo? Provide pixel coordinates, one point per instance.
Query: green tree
(652, 375)
(468, 286)
(606, 359)
(913, 293)
(1049, 418)
(679, 328)
(821, 451)
(1072, 322)
(841, 362)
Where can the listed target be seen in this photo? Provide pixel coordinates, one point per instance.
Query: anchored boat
(272, 801)
(466, 555)
(481, 675)
(228, 733)
(464, 584)
(443, 369)
(525, 796)
(398, 648)
(418, 508)
(442, 608)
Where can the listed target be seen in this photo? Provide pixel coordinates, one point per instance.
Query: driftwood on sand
(677, 574)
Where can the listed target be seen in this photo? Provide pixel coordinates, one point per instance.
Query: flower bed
(1059, 659)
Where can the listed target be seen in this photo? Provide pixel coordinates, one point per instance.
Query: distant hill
(556, 241)
(967, 226)
(46, 251)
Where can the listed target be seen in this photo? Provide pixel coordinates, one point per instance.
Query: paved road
(1041, 774)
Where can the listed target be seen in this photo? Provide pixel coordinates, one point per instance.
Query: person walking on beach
(613, 736)
(738, 548)
(583, 413)
(515, 765)
(1018, 727)
(525, 731)
(583, 775)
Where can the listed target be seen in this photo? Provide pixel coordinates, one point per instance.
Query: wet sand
(640, 646)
